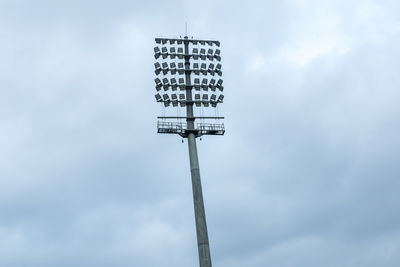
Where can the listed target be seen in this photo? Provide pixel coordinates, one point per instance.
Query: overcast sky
(307, 173)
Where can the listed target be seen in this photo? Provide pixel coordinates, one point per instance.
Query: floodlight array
(202, 64)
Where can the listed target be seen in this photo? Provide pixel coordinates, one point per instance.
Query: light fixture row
(197, 68)
(180, 99)
(181, 41)
(165, 83)
(174, 52)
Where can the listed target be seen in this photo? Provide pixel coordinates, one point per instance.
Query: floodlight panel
(158, 40)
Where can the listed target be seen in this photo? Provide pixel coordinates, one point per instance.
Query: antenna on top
(186, 28)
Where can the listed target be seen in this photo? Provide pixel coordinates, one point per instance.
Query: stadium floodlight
(195, 81)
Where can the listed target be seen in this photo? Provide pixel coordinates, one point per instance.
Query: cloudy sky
(306, 175)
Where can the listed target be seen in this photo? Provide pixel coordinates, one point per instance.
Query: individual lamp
(172, 52)
(196, 69)
(197, 84)
(205, 100)
(181, 68)
(203, 68)
(195, 53)
(217, 54)
(210, 55)
(218, 69)
(158, 98)
(181, 83)
(174, 85)
(204, 84)
(157, 66)
(172, 68)
(180, 53)
(212, 84)
(157, 52)
(174, 98)
(197, 100)
(165, 68)
(158, 84)
(203, 54)
(219, 85)
(211, 69)
(165, 84)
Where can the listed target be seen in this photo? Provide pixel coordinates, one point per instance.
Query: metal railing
(181, 128)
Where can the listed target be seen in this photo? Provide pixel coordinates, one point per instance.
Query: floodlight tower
(181, 58)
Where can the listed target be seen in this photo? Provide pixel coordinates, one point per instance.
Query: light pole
(179, 74)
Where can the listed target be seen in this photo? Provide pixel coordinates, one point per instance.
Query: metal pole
(199, 212)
